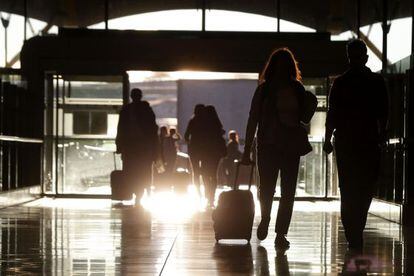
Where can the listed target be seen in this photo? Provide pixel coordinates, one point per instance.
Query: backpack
(309, 105)
(297, 137)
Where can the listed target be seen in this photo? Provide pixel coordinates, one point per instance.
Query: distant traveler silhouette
(137, 142)
(214, 148)
(276, 111)
(163, 134)
(170, 148)
(194, 138)
(357, 117)
(233, 153)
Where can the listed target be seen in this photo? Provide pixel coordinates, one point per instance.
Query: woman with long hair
(194, 137)
(281, 140)
(214, 149)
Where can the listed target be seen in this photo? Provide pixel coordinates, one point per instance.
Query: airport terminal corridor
(131, 130)
(94, 237)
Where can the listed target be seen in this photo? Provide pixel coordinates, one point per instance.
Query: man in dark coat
(137, 141)
(357, 117)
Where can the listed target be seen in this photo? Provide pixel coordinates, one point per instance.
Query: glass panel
(189, 19)
(88, 164)
(312, 172)
(81, 122)
(223, 20)
(87, 119)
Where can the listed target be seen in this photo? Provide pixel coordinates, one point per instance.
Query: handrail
(85, 137)
(20, 139)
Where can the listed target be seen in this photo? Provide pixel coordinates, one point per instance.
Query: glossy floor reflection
(92, 237)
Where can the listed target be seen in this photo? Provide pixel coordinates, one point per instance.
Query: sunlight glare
(223, 20)
(142, 76)
(172, 206)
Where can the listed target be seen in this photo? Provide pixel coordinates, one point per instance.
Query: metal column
(385, 29)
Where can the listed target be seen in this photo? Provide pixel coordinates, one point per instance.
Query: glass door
(82, 117)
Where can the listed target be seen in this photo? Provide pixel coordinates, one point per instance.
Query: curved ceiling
(323, 15)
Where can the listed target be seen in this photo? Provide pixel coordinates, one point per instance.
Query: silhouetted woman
(281, 140)
(214, 148)
(194, 137)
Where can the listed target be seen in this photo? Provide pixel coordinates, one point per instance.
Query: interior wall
(231, 99)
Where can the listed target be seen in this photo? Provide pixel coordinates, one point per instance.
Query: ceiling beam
(16, 57)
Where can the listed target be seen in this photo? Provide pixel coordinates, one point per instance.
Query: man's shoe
(281, 242)
(262, 229)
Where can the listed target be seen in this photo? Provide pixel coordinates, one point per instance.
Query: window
(90, 122)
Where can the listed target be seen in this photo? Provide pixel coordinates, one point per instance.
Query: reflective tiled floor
(92, 237)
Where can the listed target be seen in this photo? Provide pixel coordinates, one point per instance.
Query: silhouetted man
(357, 117)
(137, 141)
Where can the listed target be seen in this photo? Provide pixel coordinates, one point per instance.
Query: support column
(125, 88)
(408, 200)
(385, 29)
(358, 25)
(106, 14)
(25, 20)
(203, 16)
(278, 15)
(412, 34)
(5, 22)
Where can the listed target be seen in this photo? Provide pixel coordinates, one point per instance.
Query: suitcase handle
(115, 160)
(236, 177)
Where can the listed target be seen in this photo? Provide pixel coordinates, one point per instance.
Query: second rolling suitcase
(120, 191)
(234, 215)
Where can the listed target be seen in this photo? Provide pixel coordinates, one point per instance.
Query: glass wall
(85, 118)
(20, 150)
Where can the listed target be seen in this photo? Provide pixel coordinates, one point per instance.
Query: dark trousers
(196, 166)
(138, 173)
(170, 161)
(209, 167)
(358, 168)
(229, 170)
(270, 161)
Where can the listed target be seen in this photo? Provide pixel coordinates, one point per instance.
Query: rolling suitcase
(119, 188)
(234, 215)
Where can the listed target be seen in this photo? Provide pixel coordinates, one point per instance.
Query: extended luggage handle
(236, 177)
(114, 155)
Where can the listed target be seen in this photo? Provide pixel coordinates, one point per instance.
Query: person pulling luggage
(137, 142)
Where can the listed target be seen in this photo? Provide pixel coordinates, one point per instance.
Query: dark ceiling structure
(333, 16)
